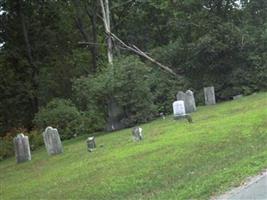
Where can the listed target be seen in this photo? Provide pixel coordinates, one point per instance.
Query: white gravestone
(178, 108)
(137, 133)
(52, 141)
(22, 148)
(209, 95)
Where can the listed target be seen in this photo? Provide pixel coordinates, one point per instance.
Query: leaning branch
(138, 51)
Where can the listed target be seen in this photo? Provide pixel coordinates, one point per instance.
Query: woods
(53, 58)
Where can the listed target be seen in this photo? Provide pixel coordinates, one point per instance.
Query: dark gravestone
(209, 95)
(22, 148)
(52, 141)
(90, 143)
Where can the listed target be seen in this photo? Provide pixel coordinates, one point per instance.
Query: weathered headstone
(137, 133)
(209, 95)
(178, 108)
(190, 104)
(22, 148)
(189, 100)
(237, 97)
(162, 115)
(90, 143)
(52, 141)
(179, 111)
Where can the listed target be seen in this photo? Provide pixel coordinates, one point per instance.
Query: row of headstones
(53, 143)
(51, 139)
(186, 102)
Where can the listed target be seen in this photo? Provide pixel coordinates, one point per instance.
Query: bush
(127, 82)
(60, 114)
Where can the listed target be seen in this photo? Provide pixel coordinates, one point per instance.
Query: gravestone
(190, 104)
(189, 100)
(178, 108)
(209, 95)
(90, 143)
(137, 133)
(52, 141)
(179, 111)
(162, 115)
(22, 148)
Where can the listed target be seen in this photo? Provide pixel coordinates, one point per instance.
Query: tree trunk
(35, 71)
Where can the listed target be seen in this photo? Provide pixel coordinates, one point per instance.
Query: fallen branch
(138, 51)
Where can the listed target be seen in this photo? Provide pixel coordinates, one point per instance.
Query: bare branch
(136, 50)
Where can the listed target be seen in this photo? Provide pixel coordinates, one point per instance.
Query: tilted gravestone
(90, 143)
(189, 100)
(137, 133)
(209, 95)
(52, 141)
(22, 148)
(179, 111)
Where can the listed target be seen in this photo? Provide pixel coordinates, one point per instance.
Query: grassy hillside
(176, 160)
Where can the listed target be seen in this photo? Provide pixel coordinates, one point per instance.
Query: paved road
(255, 189)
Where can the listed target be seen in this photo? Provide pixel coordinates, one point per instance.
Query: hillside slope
(176, 160)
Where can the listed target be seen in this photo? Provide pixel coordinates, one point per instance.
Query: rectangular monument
(52, 141)
(209, 95)
(22, 148)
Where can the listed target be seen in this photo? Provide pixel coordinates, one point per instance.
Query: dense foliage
(56, 49)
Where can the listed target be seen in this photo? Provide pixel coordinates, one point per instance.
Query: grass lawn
(176, 160)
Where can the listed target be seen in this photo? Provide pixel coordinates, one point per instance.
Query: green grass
(176, 160)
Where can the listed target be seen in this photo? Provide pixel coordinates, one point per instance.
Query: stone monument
(22, 148)
(209, 95)
(189, 100)
(91, 143)
(52, 141)
(179, 111)
(137, 133)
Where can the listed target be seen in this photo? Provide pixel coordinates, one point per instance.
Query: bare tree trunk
(35, 71)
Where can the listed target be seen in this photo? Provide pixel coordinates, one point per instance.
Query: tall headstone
(209, 95)
(91, 145)
(22, 148)
(190, 104)
(189, 100)
(52, 141)
(137, 133)
(178, 108)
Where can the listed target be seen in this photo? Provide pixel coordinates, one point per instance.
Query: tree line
(54, 68)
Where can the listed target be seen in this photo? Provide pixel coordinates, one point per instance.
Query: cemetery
(133, 100)
(173, 160)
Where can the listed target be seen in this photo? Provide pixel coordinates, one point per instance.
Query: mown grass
(176, 160)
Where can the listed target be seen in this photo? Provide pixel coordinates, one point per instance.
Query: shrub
(127, 82)
(61, 114)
